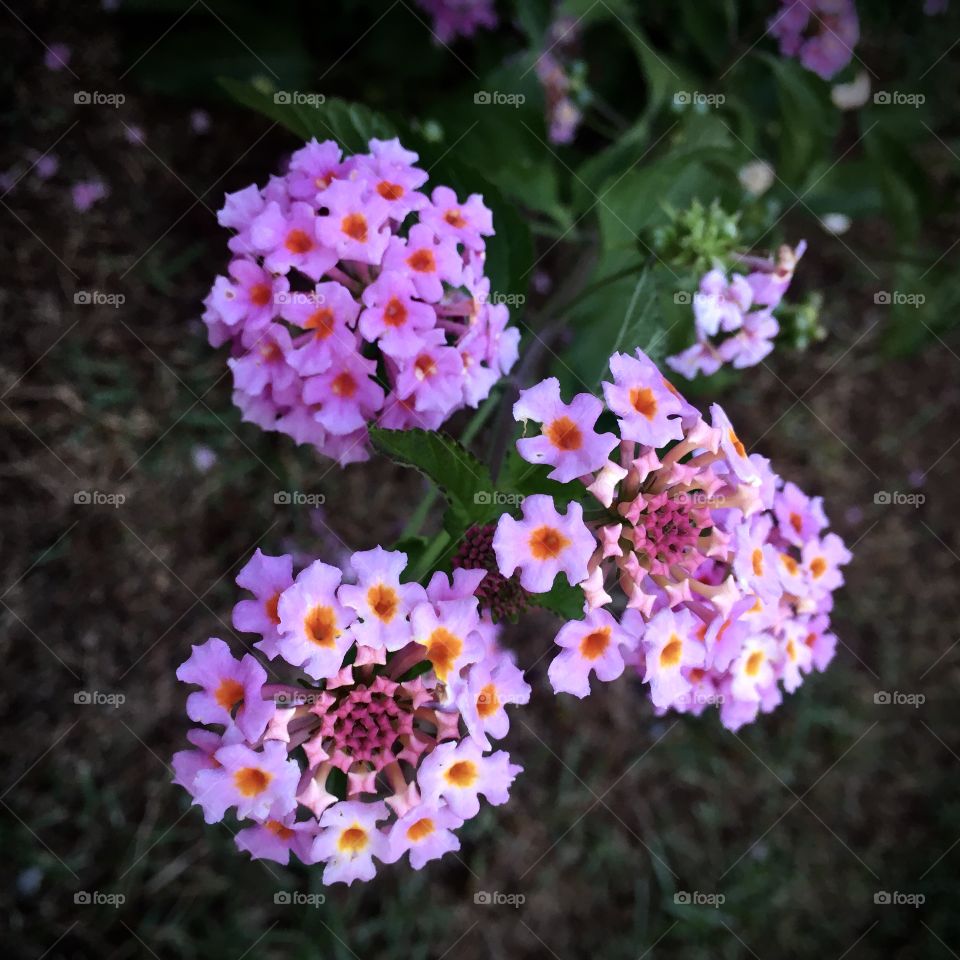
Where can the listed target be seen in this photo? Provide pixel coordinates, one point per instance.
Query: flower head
(353, 298)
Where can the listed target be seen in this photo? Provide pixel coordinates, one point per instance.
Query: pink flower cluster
(821, 33)
(353, 297)
(699, 567)
(459, 18)
(733, 316)
(380, 744)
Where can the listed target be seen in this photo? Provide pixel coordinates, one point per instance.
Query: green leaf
(352, 125)
(562, 599)
(464, 481)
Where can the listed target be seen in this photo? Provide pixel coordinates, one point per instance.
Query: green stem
(436, 547)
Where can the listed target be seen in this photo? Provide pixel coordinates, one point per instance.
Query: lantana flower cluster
(561, 75)
(733, 312)
(700, 568)
(379, 742)
(354, 297)
(820, 33)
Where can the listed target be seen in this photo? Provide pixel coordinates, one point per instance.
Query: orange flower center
(251, 781)
(546, 543)
(394, 313)
(354, 225)
(443, 648)
(389, 191)
(818, 567)
(757, 562)
(424, 366)
(644, 402)
(353, 840)
(229, 693)
(487, 701)
(321, 321)
(455, 218)
(754, 663)
(420, 830)
(271, 607)
(564, 434)
(320, 626)
(737, 445)
(796, 521)
(462, 773)
(594, 644)
(672, 651)
(298, 241)
(383, 602)
(279, 829)
(791, 564)
(422, 260)
(260, 294)
(343, 385)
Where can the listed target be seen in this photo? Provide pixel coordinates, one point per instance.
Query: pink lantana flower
(426, 832)
(595, 644)
(313, 622)
(266, 578)
(543, 544)
(648, 410)
(671, 647)
(231, 689)
(382, 603)
(461, 772)
(568, 442)
(261, 784)
(349, 840)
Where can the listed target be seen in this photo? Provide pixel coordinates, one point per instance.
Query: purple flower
(57, 57)
(86, 193)
(822, 33)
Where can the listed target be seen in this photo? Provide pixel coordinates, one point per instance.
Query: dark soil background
(798, 821)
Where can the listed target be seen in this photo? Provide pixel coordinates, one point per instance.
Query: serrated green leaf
(562, 599)
(464, 481)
